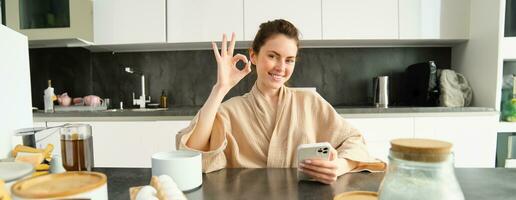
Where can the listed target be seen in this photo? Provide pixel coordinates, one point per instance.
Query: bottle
(511, 116)
(163, 100)
(49, 97)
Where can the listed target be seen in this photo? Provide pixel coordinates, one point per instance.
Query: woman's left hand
(324, 171)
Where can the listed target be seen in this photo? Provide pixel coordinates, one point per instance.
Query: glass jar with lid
(420, 169)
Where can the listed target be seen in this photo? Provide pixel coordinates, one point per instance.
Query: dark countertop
(176, 111)
(269, 183)
(353, 110)
(187, 113)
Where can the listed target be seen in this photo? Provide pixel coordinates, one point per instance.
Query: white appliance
(510, 162)
(15, 101)
(52, 23)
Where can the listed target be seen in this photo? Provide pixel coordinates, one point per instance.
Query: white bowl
(184, 167)
(11, 172)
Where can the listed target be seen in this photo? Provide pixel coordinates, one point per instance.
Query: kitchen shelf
(506, 127)
(509, 49)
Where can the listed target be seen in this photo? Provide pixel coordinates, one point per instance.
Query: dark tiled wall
(69, 69)
(342, 76)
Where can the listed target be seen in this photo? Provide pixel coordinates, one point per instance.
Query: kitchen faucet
(142, 99)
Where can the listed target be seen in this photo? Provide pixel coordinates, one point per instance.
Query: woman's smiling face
(275, 61)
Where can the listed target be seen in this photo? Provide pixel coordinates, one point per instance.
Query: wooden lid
(425, 150)
(58, 185)
(357, 195)
(3, 192)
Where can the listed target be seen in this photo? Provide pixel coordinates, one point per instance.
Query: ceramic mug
(78, 101)
(64, 99)
(92, 100)
(184, 167)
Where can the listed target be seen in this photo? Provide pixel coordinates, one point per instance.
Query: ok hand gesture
(228, 75)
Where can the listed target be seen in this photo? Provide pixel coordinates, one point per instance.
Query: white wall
(15, 92)
(479, 59)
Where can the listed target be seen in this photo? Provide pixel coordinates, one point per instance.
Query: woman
(264, 127)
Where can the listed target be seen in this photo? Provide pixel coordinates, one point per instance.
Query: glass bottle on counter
(163, 100)
(48, 98)
(420, 169)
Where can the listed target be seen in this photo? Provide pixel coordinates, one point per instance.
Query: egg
(173, 193)
(166, 180)
(147, 193)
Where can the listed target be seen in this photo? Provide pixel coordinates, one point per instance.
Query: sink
(147, 109)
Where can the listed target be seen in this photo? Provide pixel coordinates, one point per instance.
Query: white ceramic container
(184, 167)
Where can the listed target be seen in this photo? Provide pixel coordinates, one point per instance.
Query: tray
(79, 108)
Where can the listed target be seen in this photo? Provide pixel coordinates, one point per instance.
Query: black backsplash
(343, 76)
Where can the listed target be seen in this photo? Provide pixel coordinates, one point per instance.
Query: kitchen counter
(187, 113)
(278, 183)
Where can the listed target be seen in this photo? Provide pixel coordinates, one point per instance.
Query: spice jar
(420, 169)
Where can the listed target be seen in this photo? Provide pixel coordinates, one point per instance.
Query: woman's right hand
(228, 75)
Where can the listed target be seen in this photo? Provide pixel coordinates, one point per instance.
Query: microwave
(49, 23)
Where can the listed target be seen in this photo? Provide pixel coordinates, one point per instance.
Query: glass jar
(420, 169)
(77, 147)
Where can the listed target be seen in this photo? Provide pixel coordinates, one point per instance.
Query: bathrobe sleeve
(213, 159)
(347, 140)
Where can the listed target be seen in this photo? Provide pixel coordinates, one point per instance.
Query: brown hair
(272, 28)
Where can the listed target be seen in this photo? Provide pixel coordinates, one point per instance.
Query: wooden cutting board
(59, 185)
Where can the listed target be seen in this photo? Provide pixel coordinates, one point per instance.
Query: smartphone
(312, 151)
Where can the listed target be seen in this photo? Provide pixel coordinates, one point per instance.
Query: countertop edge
(112, 118)
(418, 114)
(188, 118)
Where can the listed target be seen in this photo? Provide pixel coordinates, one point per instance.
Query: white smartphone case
(312, 151)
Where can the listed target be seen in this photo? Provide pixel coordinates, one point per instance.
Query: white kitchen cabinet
(359, 19)
(15, 77)
(129, 22)
(473, 137)
(204, 21)
(304, 14)
(434, 19)
(131, 144)
(378, 132)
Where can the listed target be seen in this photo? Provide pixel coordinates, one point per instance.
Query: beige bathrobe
(249, 133)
